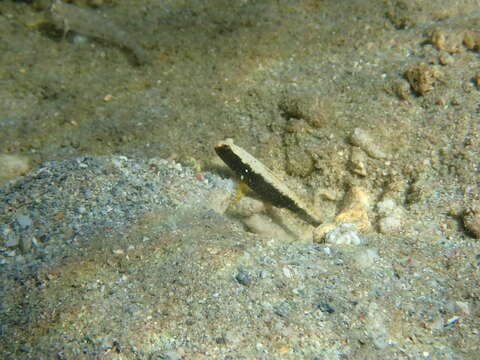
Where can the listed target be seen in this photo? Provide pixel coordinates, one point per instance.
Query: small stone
(471, 221)
(445, 58)
(471, 40)
(439, 40)
(24, 221)
(325, 307)
(8, 236)
(243, 277)
(390, 216)
(345, 234)
(389, 224)
(10, 253)
(422, 78)
(358, 160)
(283, 309)
(35, 242)
(171, 355)
(362, 139)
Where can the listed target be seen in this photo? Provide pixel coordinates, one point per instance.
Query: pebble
(8, 236)
(243, 277)
(363, 140)
(24, 221)
(325, 307)
(445, 58)
(390, 216)
(389, 225)
(422, 78)
(471, 221)
(358, 159)
(345, 234)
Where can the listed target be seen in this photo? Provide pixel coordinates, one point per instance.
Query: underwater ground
(367, 109)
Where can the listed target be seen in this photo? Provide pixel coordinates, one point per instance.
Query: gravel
(56, 211)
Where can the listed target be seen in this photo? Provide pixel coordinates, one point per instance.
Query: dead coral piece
(355, 212)
(422, 78)
(471, 221)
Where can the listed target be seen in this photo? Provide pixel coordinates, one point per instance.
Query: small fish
(263, 181)
(89, 23)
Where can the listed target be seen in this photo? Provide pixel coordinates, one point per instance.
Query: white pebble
(344, 234)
